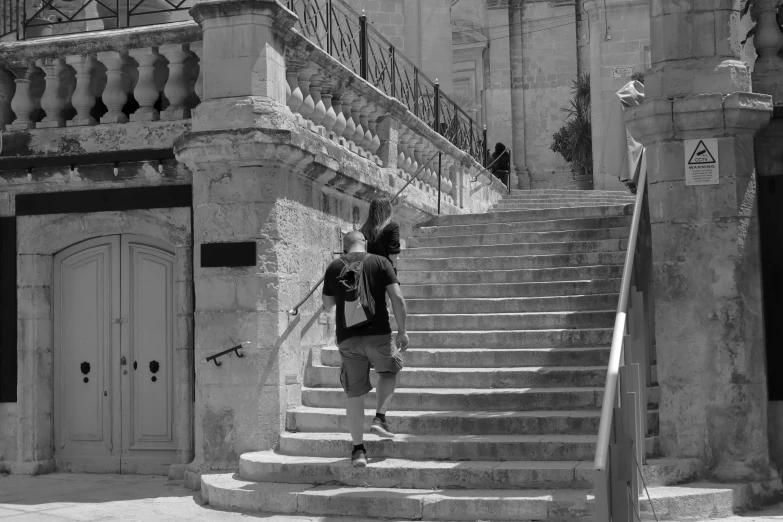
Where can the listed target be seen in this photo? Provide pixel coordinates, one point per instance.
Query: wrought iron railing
(620, 450)
(37, 18)
(348, 37)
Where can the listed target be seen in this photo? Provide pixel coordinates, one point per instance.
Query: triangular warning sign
(701, 155)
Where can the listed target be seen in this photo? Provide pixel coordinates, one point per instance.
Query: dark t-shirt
(388, 241)
(380, 274)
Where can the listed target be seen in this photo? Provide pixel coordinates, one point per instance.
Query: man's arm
(400, 314)
(329, 301)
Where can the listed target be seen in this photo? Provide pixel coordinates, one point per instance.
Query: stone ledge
(17, 54)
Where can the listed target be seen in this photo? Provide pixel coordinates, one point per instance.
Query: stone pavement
(61, 497)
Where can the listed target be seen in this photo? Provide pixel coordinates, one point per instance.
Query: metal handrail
(414, 177)
(507, 151)
(605, 424)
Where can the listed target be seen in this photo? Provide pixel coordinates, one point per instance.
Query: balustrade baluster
(114, 94)
(347, 98)
(295, 98)
(375, 113)
(197, 48)
(146, 91)
(364, 118)
(83, 99)
(339, 122)
(330, 118)
(308, 105)
(358, 135)
(319, 109)
(176, 88)
(53, 101)
(768, 41)
(25, 102)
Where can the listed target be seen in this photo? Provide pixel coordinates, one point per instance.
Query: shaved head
(354, 242)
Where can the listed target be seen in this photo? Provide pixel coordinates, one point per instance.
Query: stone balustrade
(100, 84)
(152, 74)
(330, 100)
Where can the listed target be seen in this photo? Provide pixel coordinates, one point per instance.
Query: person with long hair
(382, 234)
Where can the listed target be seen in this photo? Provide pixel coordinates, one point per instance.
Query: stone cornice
(699, 116)
(282, 19)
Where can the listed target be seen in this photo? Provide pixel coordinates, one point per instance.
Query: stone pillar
(241, 193)
(706, 253)
(517, 96)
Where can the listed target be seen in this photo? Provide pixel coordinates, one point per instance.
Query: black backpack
(358, 305)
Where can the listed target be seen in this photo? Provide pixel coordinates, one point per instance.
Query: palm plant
(574, 141)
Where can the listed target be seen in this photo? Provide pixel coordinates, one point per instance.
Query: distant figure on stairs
(383, 234)
(368, 343)
(502, 168)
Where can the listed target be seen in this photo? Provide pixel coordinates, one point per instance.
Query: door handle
(123, 361)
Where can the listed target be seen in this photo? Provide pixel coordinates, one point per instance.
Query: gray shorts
(358, 354)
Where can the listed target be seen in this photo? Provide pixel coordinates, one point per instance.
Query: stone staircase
(497, 410)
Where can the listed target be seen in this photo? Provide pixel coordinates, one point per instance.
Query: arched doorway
(114, 340)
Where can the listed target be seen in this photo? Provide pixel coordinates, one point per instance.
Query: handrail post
(436, 123)
(329, 35)
(363, 46)
(416, 92)
(484, 147)
(440, 154)
(393, 66)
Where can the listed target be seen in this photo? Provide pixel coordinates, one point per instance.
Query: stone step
(500, 290)
(318, 376)
(512, 338)
(511, 262)
(557, 198)
(588, 234)
(490, 357)
(531, 215)
(307, 419)
(454, 447)
(519, 249)
(570, 273)
(490, 305)
(517, 227)
(506, 399)
(228, 491)
(266, 466)
(551, 191)
(510, 321)
(501, 206)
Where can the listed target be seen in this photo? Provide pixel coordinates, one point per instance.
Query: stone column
(706, 262)
(242, 180)
(517, 95)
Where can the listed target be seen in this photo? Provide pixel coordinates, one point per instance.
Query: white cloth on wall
(622, 153)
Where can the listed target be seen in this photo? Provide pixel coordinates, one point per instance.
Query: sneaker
(359, 459)
(381, 428)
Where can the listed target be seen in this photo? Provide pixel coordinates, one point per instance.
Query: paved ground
(64, 497)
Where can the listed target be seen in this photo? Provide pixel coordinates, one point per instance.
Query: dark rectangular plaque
(103, 200)
(214, 255)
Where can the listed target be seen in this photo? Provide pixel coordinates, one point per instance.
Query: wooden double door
(114, 328)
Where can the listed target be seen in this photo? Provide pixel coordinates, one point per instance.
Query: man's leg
(387, 383)
(355, 413)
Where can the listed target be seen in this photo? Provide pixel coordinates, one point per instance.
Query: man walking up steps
(357, 285)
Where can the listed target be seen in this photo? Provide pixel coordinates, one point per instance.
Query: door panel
(148, 395)
(86, 298)
(114, 306)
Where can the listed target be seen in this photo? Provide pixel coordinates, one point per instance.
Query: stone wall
(549, 55)
(7, 435)
(617, 49)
